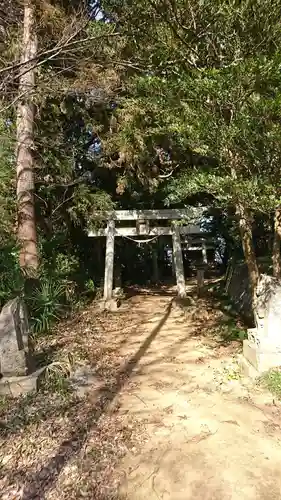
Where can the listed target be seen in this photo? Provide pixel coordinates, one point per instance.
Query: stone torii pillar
(109, 260)
(155, 268)
(178, 262)
(204, 251)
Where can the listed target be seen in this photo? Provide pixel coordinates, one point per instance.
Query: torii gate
(190, 218)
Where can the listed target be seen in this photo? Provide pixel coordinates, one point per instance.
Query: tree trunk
(276, 257)
(245, 227)
(25, 146)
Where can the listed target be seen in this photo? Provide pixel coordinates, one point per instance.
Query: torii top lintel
(162, 214)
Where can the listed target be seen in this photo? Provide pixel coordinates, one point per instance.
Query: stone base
(17, 386)
(111, 305)
(261, 359)
(247, 369)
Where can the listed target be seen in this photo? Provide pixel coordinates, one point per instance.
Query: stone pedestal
(247, 369)
(261, 358)
(16, 386)
(260, 354)
(262, 350)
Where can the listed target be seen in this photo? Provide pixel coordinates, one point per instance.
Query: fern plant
(47, 303)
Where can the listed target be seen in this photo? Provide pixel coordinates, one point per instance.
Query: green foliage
(11, 278)
(47, 303)
(57, 376)
(272, 381)
(86, 202)
(184, 100)
(90, 286)
(209, 98)
(7, 191)
(229, 331)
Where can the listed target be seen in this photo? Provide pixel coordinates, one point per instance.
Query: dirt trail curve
(202, 436)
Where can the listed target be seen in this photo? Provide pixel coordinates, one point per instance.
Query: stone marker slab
(15, 349)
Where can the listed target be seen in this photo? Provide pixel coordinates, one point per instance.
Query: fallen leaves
(56, 445)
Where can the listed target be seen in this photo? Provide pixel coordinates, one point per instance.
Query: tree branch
(53, 53)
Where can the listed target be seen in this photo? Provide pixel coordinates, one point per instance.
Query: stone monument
(16, 360)
(262, 349)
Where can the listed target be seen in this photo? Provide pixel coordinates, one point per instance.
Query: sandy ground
(205, 433)
(168, 417)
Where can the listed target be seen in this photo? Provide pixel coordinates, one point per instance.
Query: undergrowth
(230, 330)
(272, 381)
(52, 294)
(54, 397)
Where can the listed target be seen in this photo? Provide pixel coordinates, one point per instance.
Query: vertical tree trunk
(25, 145)
(276, 257)
(245, 227)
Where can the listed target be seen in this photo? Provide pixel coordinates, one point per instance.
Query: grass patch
(272, 381)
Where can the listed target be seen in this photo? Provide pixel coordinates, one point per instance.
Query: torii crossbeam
(190, 223)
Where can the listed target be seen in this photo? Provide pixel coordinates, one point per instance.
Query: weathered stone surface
(15, 349)
(17, 386)
(262, 350)
(263, 347)
(247, 369)
(262, 359)
(268, 318)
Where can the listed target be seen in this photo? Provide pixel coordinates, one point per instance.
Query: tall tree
(276, 257)
(63, 39)
(210, 84)
(27, 238)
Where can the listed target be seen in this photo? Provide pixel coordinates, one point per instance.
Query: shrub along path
(167, 416)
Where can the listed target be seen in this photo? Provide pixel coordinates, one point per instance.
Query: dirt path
(166, 416)
(204, 435)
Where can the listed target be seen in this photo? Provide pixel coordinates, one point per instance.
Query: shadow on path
(74, 443)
